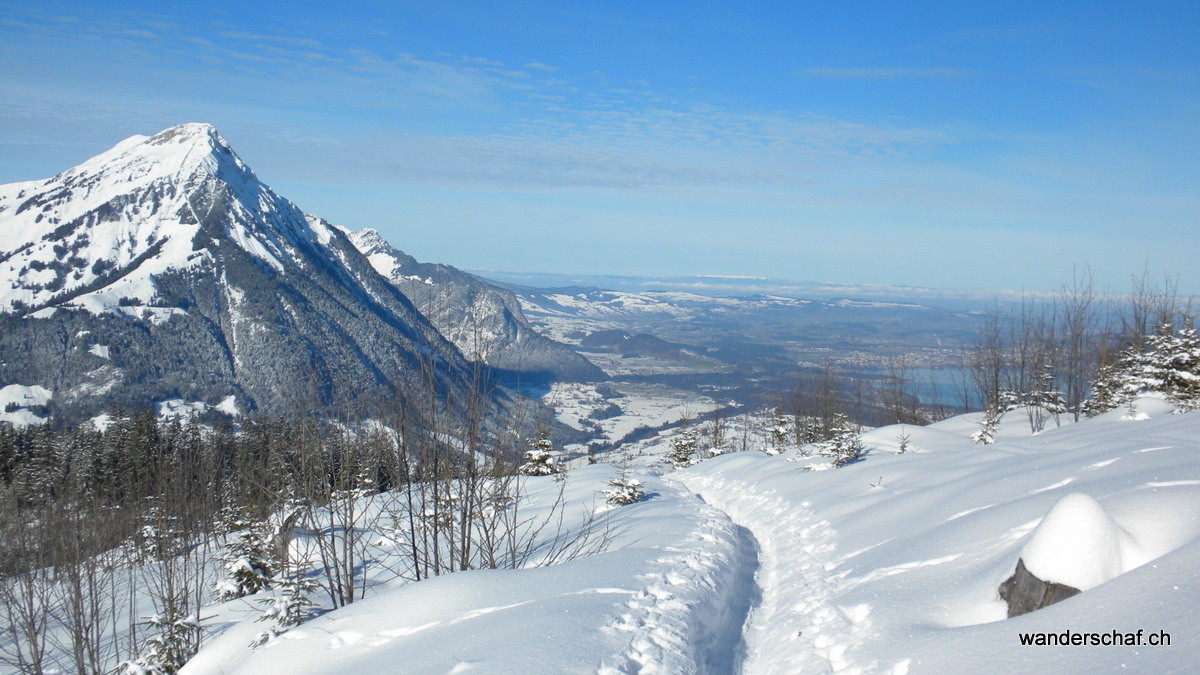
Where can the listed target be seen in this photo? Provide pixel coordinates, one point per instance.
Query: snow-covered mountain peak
(388, 260)
(179, 151)
(104, 228)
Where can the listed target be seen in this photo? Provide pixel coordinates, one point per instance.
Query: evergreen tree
(683, 446)
(246, 557)
(622, 489)
(1168, 363)
(781, 430)
(174, 641)
(987, 427)
(844, 445)
(1047, 396)
(539, 460)
(1174, 365)
(1117, 383)
(290, 607)
(8, 452)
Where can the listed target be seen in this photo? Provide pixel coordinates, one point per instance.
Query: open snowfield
(581, 406)
(750, 563)
(15, 401)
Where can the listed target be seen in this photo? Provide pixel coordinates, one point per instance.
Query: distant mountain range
(715, 285)
(163, 269)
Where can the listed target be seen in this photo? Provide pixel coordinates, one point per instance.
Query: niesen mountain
(165, 270)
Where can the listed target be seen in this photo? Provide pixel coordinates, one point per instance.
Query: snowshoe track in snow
(796, 627)
(689, 617)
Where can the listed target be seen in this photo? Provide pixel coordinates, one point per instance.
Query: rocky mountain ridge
(484, 321)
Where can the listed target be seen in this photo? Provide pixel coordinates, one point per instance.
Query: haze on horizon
(935, 145)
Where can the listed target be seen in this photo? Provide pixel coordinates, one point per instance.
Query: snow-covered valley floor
(750, 563)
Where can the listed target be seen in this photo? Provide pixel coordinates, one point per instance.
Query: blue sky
(940, 144)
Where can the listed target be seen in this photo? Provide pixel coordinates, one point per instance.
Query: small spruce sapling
(683, 445)
(174, 641)
(986, 435)
(539, 460)
(290, 607)
(845, 446)
(781, 430)
(622, 489)
(246, 557)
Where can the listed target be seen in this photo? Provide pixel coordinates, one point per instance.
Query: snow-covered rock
(1078, 544)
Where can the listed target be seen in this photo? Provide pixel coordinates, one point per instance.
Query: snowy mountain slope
(623, 610)
(911, 548)
(748, 563)
(484, 321)
(101, 231)
(200, 283)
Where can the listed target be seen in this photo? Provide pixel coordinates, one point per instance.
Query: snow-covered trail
(794, 626)
(692, 609)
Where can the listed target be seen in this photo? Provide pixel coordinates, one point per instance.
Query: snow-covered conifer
(623, 489)
(844, 445)
(1168, 364)
(290, 607)
(174, 640)
(246, 557)
(1116, 383)
(781, 430)
(987, 427)
(1174, 365)
(683, 446)
(539, 460)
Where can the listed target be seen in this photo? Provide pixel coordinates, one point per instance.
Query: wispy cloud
(841, 73)
(260, 38)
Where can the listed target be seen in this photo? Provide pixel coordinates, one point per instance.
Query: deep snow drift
(751, 563)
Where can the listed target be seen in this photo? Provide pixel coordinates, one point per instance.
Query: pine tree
(622, 489)
(1048, 397)
(539, 460)
(1174, 367)
(1168, 363)
(987, 427)
(174, 641)
(290, 607)
(781, 429)
(844, 446)
(683, 446)
(1186, 392)
(1117, 383)
(246, 557)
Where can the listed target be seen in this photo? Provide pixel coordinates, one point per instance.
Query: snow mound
(1078, 544)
